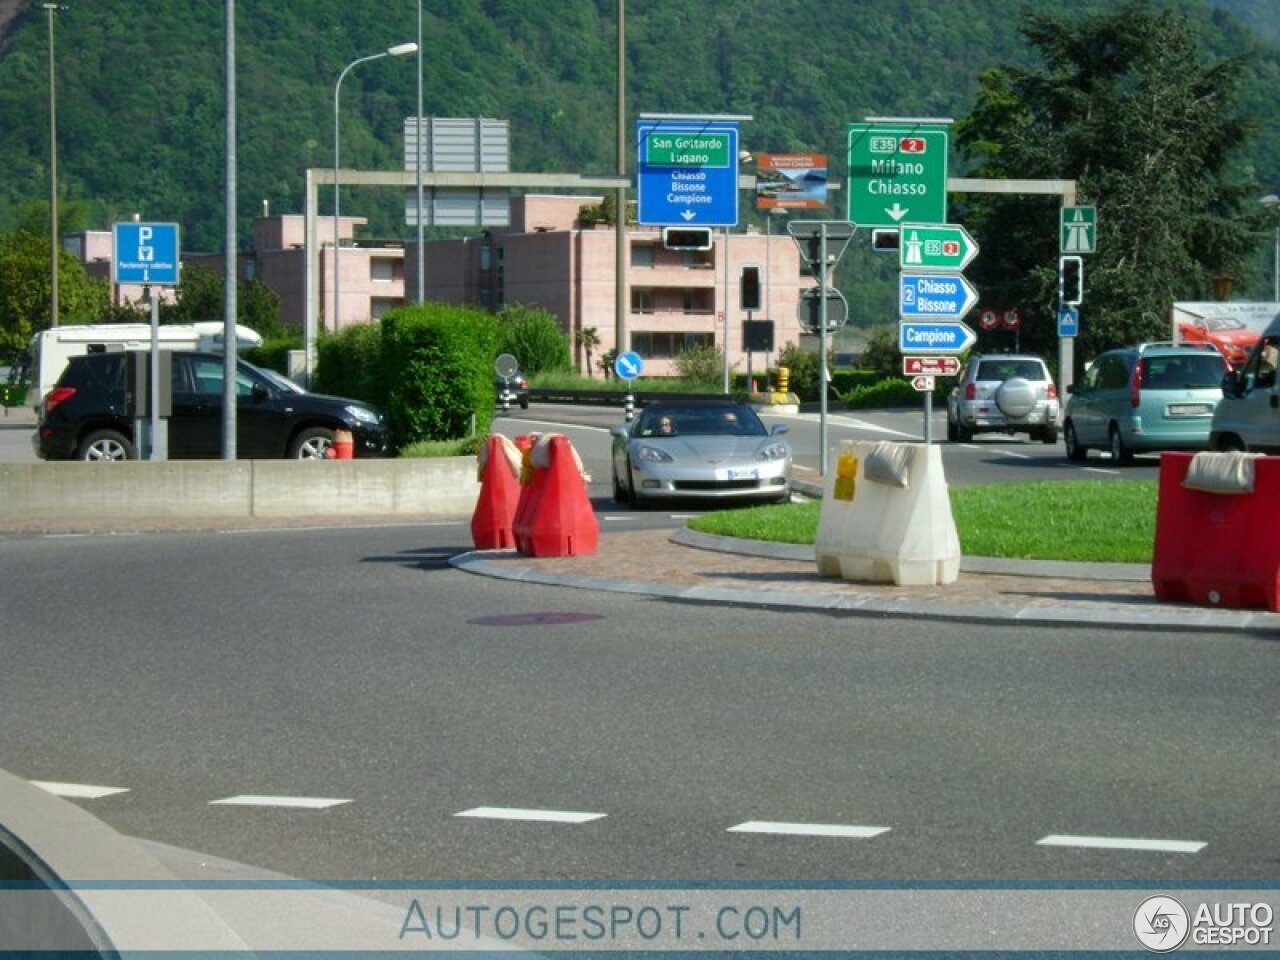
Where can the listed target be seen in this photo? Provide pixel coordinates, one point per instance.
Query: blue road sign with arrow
(145, 253)
(687, 173)
(950, 336)
(628, 365)
(937, 296)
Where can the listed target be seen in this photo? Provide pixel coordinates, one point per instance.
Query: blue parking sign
(145, 253)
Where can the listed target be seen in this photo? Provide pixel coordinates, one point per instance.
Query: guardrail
(617, 398)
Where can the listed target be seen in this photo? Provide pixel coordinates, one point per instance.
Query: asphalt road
(354, 665)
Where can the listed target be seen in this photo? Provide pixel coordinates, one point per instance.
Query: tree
(25, 289)
(1127, 105)
(586, 340)
(534, 337)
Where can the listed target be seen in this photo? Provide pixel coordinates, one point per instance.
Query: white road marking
(1121, 843)
(518, 813)
(555, 427)
(1109, 473)
(1016, 456)
(78, 791)
(808, 829)
(840, 421)
(683, 516)
(255, 800)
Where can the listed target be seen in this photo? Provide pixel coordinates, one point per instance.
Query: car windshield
(1183, 371)
(725, 420)
(279, 380)
(1008, 369)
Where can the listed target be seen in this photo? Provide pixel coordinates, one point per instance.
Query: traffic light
(1070, 280)
(884, 239)
(749, 284)
(686, 238)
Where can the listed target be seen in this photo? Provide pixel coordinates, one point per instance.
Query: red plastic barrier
(554, 517)
(495, 513)
(1220, 549)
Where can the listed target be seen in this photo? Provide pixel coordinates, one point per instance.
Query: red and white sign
(1012, 318)
(989, 319)
(912, 145)
(923, 384)
(931, 366)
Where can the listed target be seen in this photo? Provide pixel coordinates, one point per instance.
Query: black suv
(86, 416)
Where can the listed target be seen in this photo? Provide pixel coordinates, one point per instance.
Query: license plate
(1190, 409)
(740, 473)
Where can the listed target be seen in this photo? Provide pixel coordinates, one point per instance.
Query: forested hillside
(140, 86)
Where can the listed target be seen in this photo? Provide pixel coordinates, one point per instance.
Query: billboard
(1231, 326)
(791, 181)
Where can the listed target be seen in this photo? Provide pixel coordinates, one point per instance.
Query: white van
(51, 349)
(1248, 416)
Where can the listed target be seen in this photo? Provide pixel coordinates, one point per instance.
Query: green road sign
(1079, 232)
(935, 247)
(897, 172)
(664, 148)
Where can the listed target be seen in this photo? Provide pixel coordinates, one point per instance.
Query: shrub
(702, 365)
(887, 393)
(274, 353)
(349, 364)
(882, 355)
(535, 339)
(438, 363)
(804, 371)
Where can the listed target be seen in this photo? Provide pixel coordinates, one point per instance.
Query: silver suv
(1003, 393)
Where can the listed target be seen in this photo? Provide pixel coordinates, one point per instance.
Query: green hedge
(438, 366)
(349, 364)
(274, 353)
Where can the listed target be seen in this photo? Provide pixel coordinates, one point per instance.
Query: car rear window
(1008, 369)
(106, 369)
(1183, 371)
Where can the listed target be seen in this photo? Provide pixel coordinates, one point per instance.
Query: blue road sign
(145, 253)
(628, 365)
(935, 296)
(687, 173)
(1068, 322)
(950, 336)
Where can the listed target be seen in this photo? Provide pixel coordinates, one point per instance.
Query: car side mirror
(1231, 384)
(622, 432)
(259, 393)
(778, 429)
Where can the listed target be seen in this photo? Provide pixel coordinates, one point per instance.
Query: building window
(642, 254)
(697, 258)
(382, 270)
(663, 344)
(380, 306)
(641, 301)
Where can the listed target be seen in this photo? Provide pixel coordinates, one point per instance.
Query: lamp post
(399, 50)
(1271, 202)
(53, 171)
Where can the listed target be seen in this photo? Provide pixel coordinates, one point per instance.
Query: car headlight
(363, 414)
(775, 451)
(654, 455)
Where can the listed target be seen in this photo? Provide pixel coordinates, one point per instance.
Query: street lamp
(399, 50)
(53, 172)
(1271, 201)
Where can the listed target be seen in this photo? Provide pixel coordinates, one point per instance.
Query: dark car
(86, 416)
(516, 387)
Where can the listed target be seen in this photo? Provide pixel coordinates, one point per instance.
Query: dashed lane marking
(257, 800)
(520, 813)
(808, 829)
(1121, 843)
(78, 791)
(1109, 473)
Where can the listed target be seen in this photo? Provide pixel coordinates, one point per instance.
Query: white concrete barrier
(886, 516)
(221, 489)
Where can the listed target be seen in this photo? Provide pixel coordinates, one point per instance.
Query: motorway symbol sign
(145, 253)
(922, 384)
(629, 365)
(940, 296)
(1068, 322)
(897, 173)
(950, 336)
(1079, 233)
(931, 366)
(687, 173)
(925, 246)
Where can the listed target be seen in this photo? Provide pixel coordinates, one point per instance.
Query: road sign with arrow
(687, 173)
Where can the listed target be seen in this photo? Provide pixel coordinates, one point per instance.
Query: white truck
(51, 349)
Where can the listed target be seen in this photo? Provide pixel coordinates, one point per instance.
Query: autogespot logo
(1161, 924)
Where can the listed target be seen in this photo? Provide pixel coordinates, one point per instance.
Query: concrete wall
(218, 489)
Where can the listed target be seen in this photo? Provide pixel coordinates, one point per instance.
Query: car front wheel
(313, 443)
(104, 446)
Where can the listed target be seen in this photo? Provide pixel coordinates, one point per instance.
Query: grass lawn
(1088, 520)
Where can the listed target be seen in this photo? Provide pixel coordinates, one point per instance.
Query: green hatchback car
(1154, 396)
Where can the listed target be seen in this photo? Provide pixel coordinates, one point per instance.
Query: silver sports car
(700, 451)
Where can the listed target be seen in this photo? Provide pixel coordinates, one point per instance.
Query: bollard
(630, 406)
(344, 445)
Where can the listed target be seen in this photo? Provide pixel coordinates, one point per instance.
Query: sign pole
(822, 350)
